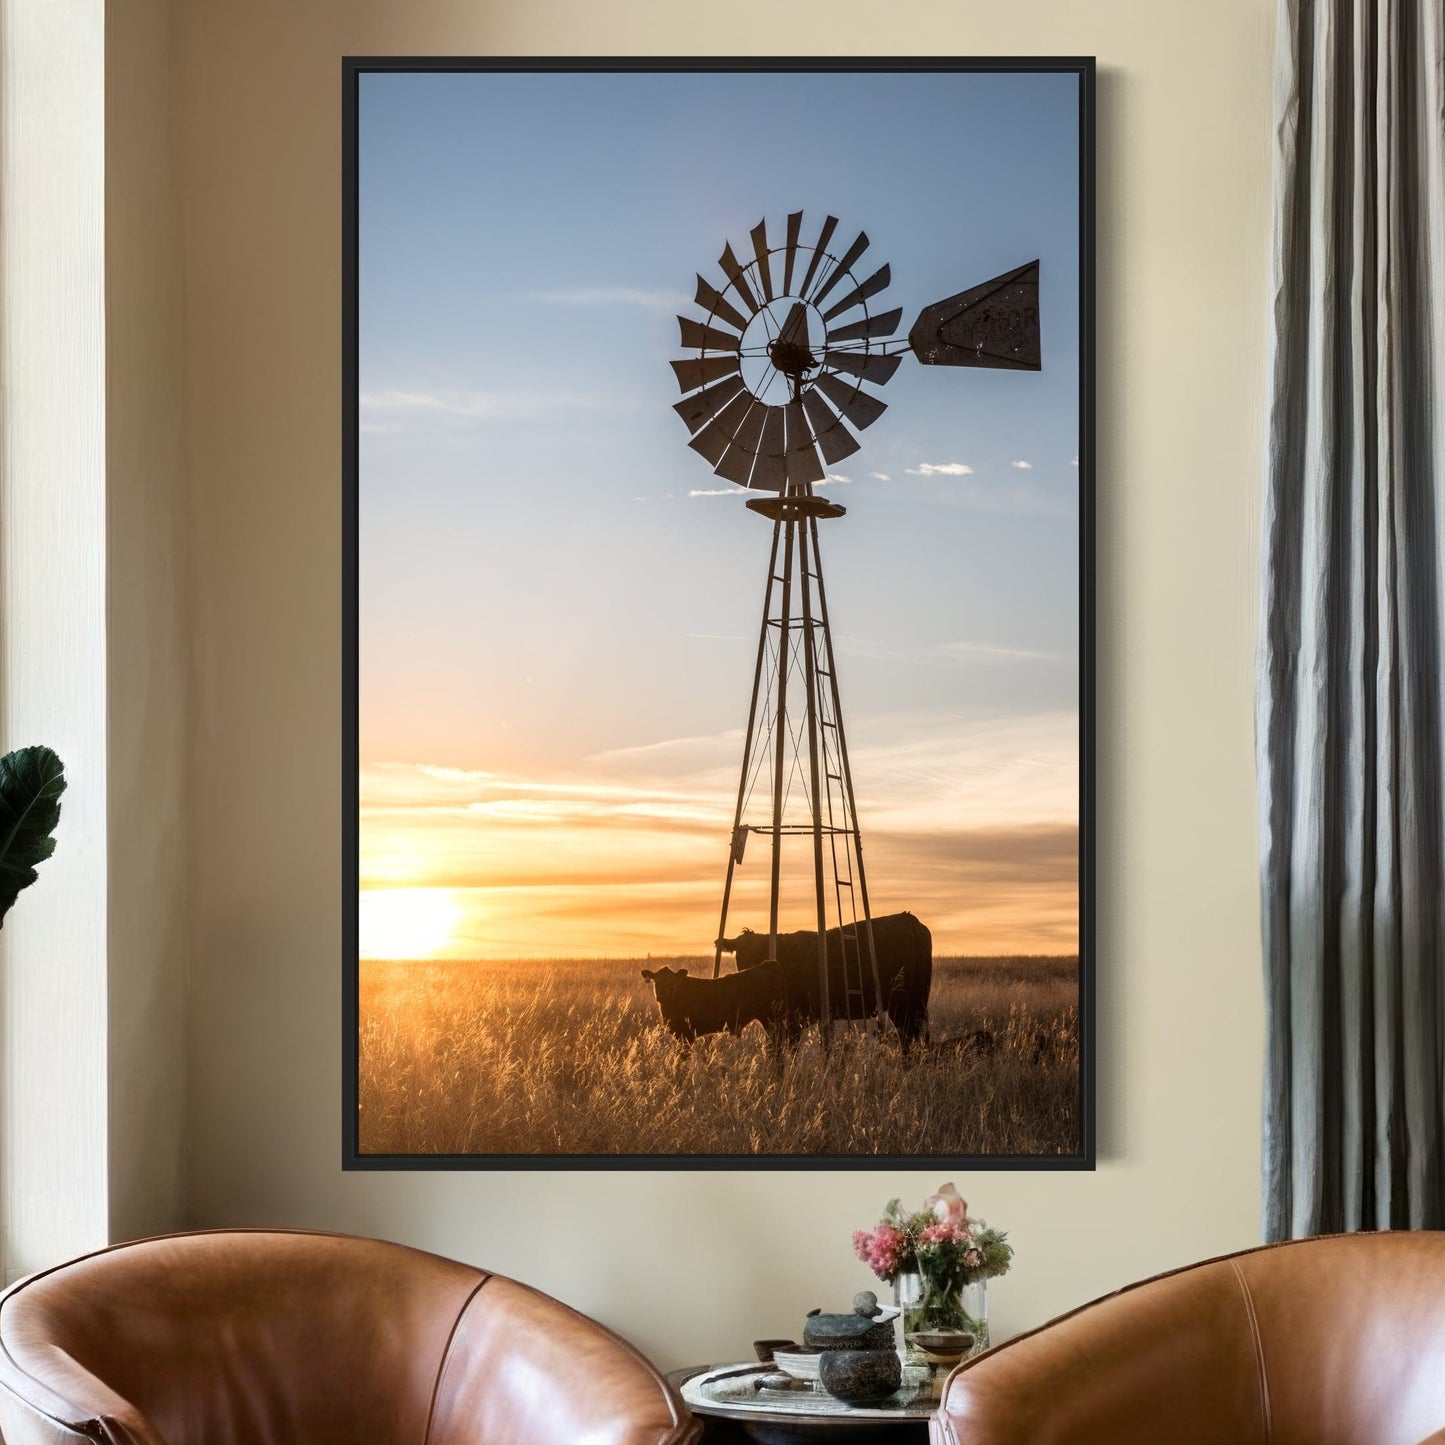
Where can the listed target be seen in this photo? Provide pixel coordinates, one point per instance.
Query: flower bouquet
(937, 1259)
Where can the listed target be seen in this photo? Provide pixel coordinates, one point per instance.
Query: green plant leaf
(31, 782)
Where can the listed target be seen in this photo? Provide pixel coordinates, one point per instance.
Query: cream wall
(692, 1266)
(147, 636)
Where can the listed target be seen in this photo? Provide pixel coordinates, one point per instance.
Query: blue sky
(544, 598)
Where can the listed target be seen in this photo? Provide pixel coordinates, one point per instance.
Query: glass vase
(907, 1293)
(975, 1314)
(926, 1303)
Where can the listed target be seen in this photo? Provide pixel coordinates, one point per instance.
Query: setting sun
(407, 922)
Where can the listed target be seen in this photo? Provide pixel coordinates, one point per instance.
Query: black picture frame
(353, 68)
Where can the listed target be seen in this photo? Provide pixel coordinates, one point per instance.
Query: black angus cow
(905, 970)
(692, 1006)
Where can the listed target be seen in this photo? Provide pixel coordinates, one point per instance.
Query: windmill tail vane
(778, 381)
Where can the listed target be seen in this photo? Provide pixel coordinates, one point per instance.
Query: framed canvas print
(719, 671)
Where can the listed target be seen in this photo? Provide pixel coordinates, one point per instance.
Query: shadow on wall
(1109, 902)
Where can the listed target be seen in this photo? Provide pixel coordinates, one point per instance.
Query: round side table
(732, 1417)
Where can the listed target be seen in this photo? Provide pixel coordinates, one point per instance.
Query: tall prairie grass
(567, 1056)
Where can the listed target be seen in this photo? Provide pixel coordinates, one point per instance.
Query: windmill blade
(772, 442)
(803, 467)
(760, 250)
(801, 458)
(706, 338)
(702, 406)
(734, 273)
(790, 253)
(715, 438)
(795, 328)
(701, 370)
(860, 293)
(841, 269)
(884, 324)
(769, 472)
(877, 369)
(834, 439)
(797, 429)
(995, 324)
(749, 434)
(735, 465)
(860, 409)
(717, 305)
(820, 249)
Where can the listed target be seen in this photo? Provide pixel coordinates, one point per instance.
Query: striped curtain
(1351, 682)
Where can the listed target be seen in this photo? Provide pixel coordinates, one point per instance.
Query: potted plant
(31, 782)
(939, 1262)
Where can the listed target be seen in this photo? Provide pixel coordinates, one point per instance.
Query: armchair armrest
(521, 1366)
(1178, 1364)
(57, 1399)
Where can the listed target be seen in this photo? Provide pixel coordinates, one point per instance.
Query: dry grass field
(567, 1056)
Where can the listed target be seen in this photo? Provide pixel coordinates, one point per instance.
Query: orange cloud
(972, 827)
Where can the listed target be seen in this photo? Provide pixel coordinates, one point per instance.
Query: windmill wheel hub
(777, 350)
(790, 358)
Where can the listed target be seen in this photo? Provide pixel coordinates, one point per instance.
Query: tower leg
(722, 926)
(810, 674)
(846, 771)
(780, 741)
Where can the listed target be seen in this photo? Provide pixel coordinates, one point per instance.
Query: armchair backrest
(1337, 1341)
(273, 1338)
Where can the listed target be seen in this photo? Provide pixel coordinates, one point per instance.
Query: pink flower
(948, 1203)
(973, 1259)
(881, 1249)
(943, 1231)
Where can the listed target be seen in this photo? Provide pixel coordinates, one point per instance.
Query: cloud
(1074, 462)
(649, 298)
(940, 469)
(393, 785)
(971, 822)
(931, 770)
(1022, 465)
(989, 649)
(945, 654)
(880, 476)
(714, 746)
(1041, 851)
(832, 479)
(459, 405)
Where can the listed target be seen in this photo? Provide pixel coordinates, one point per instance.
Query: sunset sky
(558, 612)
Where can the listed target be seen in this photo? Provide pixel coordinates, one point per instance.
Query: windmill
(774, 389)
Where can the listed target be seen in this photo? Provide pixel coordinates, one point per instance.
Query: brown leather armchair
(247, 1337)
(1336, 1341)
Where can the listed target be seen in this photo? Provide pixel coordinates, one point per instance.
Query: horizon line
(647, 957)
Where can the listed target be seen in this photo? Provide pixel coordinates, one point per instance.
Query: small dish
(763, 1349)
(800, 1364)
(941, 1347)
(778, 1383)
